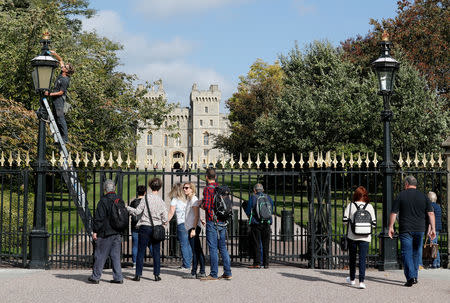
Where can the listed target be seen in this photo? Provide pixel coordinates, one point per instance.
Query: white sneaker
(134, 265)
(362, 285)
(351, 282)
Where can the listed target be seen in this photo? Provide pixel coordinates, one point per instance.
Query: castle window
(165, 153)
(149, 139)
(149, 152)
(206, 139)
(205, 152)
(211, 122)
(206, 109)
(178, 141)
(165, 124)
(178, 123)
(201, 122)
(166, 140)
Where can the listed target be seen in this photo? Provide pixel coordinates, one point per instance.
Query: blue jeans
(363, 248)
(135, 243)
(437, 261)
(145, 238)
(186, 252)
(411, 245)
(197, 252)
(216, 239)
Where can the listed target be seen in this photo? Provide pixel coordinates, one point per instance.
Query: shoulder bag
(159, 232)
(430, 250)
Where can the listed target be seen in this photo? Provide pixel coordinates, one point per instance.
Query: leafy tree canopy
(106, 107)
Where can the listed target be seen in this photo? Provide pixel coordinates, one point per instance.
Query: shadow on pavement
(368, 278)
(311, 279)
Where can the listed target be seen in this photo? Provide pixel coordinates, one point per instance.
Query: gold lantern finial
(385, 36)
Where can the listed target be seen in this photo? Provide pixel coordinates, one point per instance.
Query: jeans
(104, 247)
(145, 237)
(411, 245)
(260, 234)
(197, 252)
(437, 261)
(216, 239)
(60, 119)
(135, 243)
(186, 252)
(363, 248)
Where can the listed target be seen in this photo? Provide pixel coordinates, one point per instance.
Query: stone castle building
(187, 135)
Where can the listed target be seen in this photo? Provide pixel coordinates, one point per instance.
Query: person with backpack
(259, 209)
(216, 204)
(413, 207)
(178, 207)
(153, 212)
(359, 216)
(108, 225)
(134, 220)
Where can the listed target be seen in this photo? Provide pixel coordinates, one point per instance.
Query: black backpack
(118, 218)
(223, 206)
(263, 208)
(362, 220)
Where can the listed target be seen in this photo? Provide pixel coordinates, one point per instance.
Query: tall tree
(421, 32)
(255, 98)
(327, 105)
(106, 107)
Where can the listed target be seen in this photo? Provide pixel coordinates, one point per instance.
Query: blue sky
(216, 41)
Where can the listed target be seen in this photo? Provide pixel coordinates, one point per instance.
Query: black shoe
(116, 282)
(410, 282)
(136, 278)
(157, 278)
(266, 266)
(415, 281)
(92, 281)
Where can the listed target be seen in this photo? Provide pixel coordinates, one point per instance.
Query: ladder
(69, 175)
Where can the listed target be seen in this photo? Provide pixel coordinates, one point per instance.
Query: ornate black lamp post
(386, 68)
(43, 67)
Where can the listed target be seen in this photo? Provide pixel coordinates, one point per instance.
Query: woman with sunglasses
(193, 224)
(178, 207)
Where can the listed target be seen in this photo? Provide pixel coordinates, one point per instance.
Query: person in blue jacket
(259, 209)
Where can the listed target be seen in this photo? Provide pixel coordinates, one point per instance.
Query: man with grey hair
(413, 207)
(438, 223)
(259, 209)
(107, 239)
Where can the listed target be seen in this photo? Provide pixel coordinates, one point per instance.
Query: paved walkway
(277, 284)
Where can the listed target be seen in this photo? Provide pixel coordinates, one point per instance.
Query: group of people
(148, 210)
(417, 214)
(415, 211)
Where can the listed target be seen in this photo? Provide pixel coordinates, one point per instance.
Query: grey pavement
(277, 284)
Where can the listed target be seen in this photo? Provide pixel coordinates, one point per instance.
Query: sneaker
(200, 276)
(184, 269)
(362, 285)
(116, 281)
(189, 276)
(209, 278)
(351, 282)
(134, 265)
(226, 277)
(421, 267)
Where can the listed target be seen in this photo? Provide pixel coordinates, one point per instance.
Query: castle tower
(206, 123)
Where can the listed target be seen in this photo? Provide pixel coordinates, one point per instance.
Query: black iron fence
(309, 205)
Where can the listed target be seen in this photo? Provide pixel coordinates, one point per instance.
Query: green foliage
(106, 107)
(327, 104)
(255, 97)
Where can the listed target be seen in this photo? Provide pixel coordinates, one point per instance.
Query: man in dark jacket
(107, 240)
(259, 227)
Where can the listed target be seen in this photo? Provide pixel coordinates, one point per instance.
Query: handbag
(344, 241)
(159, 232)
(430, 250)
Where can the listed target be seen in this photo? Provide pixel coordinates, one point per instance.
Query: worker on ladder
(59, 95)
